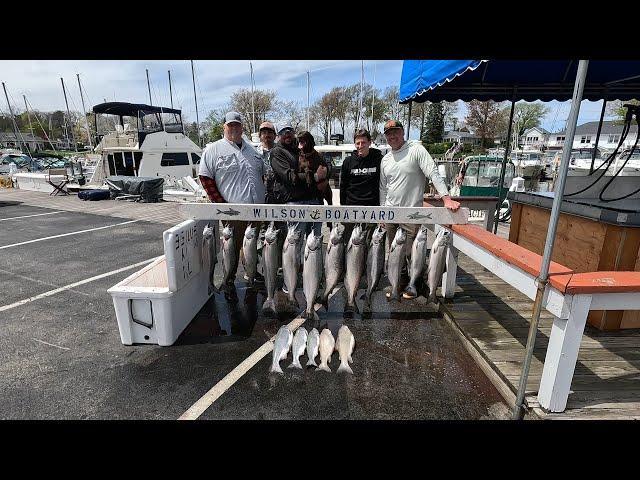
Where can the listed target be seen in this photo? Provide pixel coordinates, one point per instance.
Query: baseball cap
(231, 117)
(391, 125)
(267, 125)
(285, 127)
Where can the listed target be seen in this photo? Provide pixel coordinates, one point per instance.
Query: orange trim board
(604, 282)
(559, 275)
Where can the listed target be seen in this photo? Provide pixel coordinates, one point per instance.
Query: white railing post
(562, 355)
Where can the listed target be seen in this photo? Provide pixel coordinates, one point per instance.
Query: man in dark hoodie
(360, 179)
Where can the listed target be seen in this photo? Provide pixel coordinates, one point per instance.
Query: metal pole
(170, 90)
(64, 91)
(29, 118)
(360, 102)
(308, 98)
(84, 112)
(408, 121)
(595, 148)
(149, 87)
(373, 94)
(193, 76)
(253, 108)
(542, 279)
(504, 161)
(13, 118)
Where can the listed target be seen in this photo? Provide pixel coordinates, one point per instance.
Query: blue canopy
(529, 80)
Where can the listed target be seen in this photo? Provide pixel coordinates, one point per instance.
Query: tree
(617, 109)
(213, 125)
(373, 100)
(323, 114)
(525, 116)
(390, 98)
(434, 124)
(484, 118)
(450, 109)
(265, 104)
(292, 113)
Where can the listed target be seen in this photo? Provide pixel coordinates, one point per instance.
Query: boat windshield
(482, 173)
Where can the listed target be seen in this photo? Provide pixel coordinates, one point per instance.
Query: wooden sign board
(322, 213)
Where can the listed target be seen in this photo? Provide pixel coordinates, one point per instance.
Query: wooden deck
(493, 318)
(162, 212)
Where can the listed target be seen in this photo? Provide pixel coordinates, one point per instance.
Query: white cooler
(155, 304)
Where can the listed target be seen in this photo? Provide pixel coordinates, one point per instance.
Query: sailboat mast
(170, 90)
(193, 76)
(361, 94)
(29, 117)
(308, 97)
(253, 108)
(64, 91)
(373, 94)
(84, 112)
(149, 87)
(13, 118)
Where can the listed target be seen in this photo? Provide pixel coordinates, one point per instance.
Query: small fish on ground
(344, 346)
(313, 345)
(299, 346)
(327, 344)
(281, 345)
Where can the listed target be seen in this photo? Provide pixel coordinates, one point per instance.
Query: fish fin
(324, 368)
(349, 359)
(355, 306)
(344, 367)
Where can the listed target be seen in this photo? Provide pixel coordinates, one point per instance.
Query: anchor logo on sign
(315, 214)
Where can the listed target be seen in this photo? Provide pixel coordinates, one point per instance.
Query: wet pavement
(61, 356)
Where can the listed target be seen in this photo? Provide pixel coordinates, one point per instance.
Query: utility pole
(84, 112)
(149, 87)
(170, 91)
(193, 76)
(13, 118)
(64, 91)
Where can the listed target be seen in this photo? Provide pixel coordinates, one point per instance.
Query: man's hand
(321, 173)
(450, 204)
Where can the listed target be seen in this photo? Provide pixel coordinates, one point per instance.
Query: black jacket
(290, 182)
(360, 179)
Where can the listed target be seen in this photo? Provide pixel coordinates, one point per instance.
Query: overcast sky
(216, 80)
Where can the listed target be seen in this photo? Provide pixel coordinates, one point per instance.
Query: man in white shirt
(403, 175)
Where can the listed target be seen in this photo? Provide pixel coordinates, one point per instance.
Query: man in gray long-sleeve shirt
(403, 174)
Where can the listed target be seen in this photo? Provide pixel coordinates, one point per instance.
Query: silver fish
(397, 258)
(290, 263)
(281, 346)
(355, 265)
(418, 260)
(327, 344)
(333, 262)
(298, 347)
(312, 272)
(229, 260)
(313, 344)
(344, 346)
(375, 262)
(250, 252)
(437, 262)
(270, 259)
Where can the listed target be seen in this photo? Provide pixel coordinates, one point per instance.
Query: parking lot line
(73, 285)
(232, 377)
(66, 234)
(29, 216)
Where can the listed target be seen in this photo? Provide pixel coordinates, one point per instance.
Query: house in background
(35, 143)
(455, 136)
(535, 137)
(610, 134)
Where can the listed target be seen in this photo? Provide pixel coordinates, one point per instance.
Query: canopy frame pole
(542, 279)
(504, 160)
(595, 148)
(408, 122)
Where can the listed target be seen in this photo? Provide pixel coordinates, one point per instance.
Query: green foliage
(437, 148)
(434, 123)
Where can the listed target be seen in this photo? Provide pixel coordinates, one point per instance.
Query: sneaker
(410, 292)
(284, 290)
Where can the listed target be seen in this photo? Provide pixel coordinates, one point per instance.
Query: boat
(580, 160)
(528, 163)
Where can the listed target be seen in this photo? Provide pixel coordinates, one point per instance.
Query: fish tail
(295, 364)
(324, 367)
(312, 363)
(275, 368)
(269, 304)
(344, 367)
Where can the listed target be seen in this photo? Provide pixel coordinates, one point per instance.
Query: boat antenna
(17, 133)
(253, 108)
(193, 76)
(170, 91)
(149, 87)
(84, 113)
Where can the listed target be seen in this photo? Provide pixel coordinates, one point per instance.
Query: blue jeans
(306, 227)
